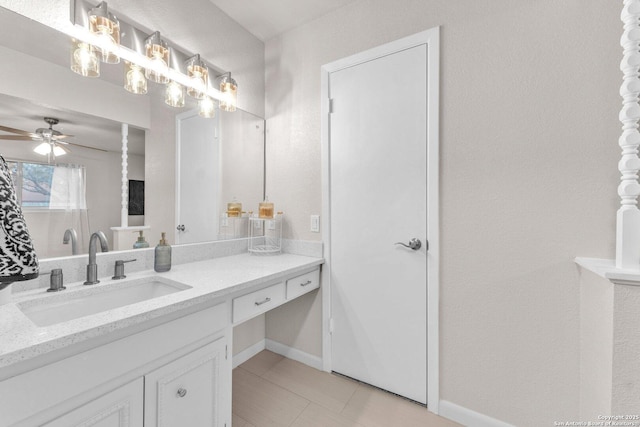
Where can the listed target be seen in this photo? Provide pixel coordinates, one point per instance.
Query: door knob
(414, 244)
(180, 227)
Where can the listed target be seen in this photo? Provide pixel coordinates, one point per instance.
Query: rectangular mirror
(38, 84)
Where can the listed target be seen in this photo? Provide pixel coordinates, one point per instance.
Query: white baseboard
(248, 353)
(468, 417)
(294, 354)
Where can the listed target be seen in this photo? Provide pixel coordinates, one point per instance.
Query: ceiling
(266, 19)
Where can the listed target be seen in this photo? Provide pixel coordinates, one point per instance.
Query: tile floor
(270, 390)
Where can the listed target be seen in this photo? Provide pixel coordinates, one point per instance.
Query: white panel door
(198, 172)
(378, 196)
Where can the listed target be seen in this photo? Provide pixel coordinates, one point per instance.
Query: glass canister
(265, 209)
(234, 209)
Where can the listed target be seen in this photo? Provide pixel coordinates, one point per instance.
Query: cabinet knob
(182, 392)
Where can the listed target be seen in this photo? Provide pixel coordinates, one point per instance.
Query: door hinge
(226, 352)
(331, 325)
(330, 105)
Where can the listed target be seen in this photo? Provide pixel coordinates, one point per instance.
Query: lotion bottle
(162, 259)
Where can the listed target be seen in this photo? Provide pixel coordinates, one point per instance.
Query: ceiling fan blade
(61, 136)
(19, 138)
(19, 132)
(83, 146)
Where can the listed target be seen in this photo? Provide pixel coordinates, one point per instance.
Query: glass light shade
(45, 148)
(199, 73)
(229, 89)
(207, 108)
(158, 51)
(134, 80)
(84, 60)
(106, 26)
(59, 151)
(174, 94)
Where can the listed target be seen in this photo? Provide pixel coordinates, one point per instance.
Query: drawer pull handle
(182, 392)
(307, 283)
(266, 300)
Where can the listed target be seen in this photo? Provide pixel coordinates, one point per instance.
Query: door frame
(431, 38)
(178, 121)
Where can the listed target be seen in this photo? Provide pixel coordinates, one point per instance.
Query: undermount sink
(62, 307)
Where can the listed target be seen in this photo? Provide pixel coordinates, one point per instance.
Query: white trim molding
(248, 353)
(294, 354)
(431, 38)
(467, 417)
(628, 217)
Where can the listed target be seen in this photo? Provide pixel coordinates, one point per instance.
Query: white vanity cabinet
(105, 385)
(123, 407)
(187, 392)
(166, 368)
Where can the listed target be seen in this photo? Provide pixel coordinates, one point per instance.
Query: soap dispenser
(162, 259)
(141, 242)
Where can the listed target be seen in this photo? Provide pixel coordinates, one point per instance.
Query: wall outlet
(315, 223)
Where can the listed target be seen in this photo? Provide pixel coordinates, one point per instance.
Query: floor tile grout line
(349, 399)
(301, 412)
(309, 399)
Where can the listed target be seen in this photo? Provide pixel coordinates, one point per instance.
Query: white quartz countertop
(21, 339)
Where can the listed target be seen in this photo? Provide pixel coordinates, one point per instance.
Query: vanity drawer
(302, 284)
(250, 305)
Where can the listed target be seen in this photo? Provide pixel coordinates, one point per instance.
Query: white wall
(596, 345)
(529, 129)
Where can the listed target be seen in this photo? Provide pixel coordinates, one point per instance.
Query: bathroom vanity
(163, 361)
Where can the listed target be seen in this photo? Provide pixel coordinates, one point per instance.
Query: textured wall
(596, 345)
(626, 348)
(529, 129)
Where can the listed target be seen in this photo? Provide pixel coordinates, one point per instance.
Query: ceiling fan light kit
(52, 140)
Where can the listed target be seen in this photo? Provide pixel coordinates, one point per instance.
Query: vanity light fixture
(84, 60)
(98, 34)
(107, 27)
(229, 92)
(174, 94)
(157, 51)
(207, 108)
(134, 79)
(199, 73)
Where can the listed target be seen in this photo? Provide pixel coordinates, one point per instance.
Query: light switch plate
(315, 223)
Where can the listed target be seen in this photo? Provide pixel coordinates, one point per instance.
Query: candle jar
(234, 209)
(265, 209)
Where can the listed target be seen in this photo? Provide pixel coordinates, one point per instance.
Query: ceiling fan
(53, 141)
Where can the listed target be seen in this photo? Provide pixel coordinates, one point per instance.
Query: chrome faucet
(92, 268)
(70, 234)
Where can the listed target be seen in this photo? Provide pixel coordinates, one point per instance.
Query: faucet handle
(118, 272)
(56, 281)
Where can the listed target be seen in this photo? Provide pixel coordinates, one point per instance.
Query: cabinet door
(186, 392)
(123, 407)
